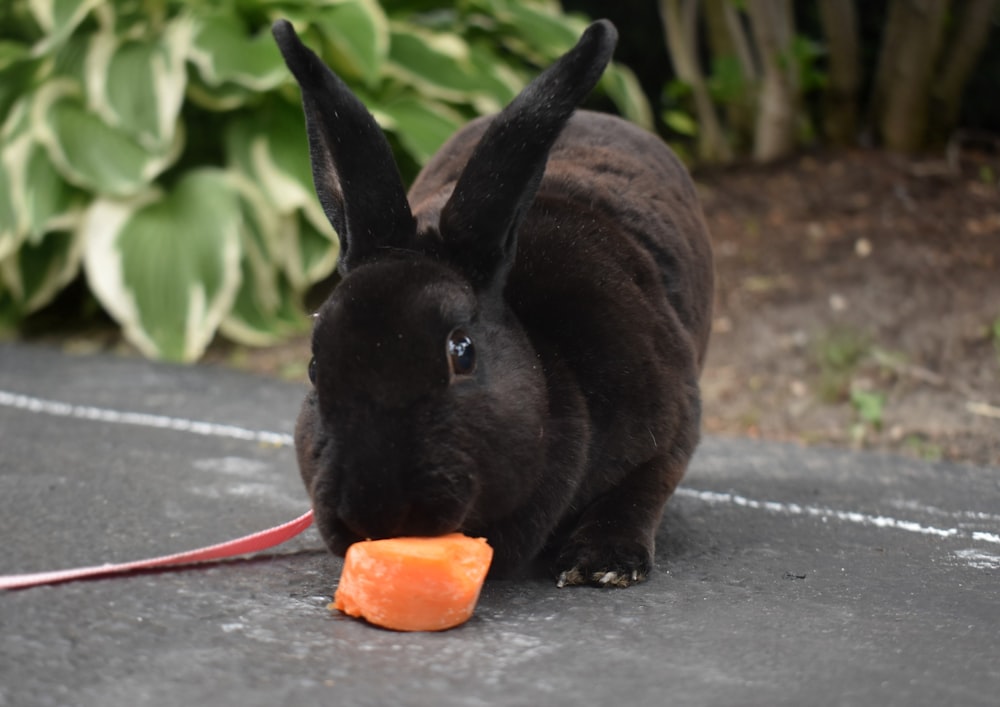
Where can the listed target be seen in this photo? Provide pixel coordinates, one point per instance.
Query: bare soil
(858, 303)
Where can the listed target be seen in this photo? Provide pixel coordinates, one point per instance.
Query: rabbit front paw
(605, 563)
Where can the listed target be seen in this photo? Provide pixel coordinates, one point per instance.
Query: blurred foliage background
(153, 159)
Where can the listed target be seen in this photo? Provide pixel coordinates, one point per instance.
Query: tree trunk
(728, 42)
(840, 100)
(909, 50)
(953, 73)
(720, 42)
(680, 28)
(777, 109)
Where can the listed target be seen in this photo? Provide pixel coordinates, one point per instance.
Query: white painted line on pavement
(795, 509)
(177, 424)
(140, 419)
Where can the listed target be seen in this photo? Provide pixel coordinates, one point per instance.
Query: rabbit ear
(498, 185)
(356, 178)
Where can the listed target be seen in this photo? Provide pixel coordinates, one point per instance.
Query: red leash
(255, 542)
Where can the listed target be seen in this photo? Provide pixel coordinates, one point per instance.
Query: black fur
(586, 293)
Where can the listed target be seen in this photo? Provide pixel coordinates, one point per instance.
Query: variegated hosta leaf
(137, 86)
(51, 204)
(421, 125)
(88, 152)
(15, 142)
(166, 266)
(58, 19)
(38, 271)
(358, 35)
(255, 322)
(443, 66)
(270, 147)
(225, 97)
(260, 229)
(34, 199)
(10, 233)
(540, 32)
(266, 308)
(225, 53)
(70, 60)
(311, 254)
(16, 77)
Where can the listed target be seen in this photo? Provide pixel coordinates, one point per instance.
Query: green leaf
(311, 254)
(499, 84)
(680, 122)
(869, 406)
(34, 199)
(15, 80)
(358, 35)
(677, 90)
(261, 225)
(16, 142)
(256, 321)
(88, 152)
(166, 266)
(727, 83)
(539, 32)
(39, 271)
(225, 53)
(40, 201)
(252, 319)
(225, 97)
(806, 54)
(71, 59)
(11, 232)
(52, 203)
(58, 19)
(422, 126)
(137, 86)
(10, 314)
(257, 317)
(443, 66)
(270, 146)
(12, 52)
(623, 88)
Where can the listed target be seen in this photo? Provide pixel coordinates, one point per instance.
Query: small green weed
(923, 449)
(839, 354)
(869, 405)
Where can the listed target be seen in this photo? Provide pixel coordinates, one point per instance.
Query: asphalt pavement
(784, 576)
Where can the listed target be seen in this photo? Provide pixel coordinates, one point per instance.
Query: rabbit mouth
(410, 520)
(338, 537)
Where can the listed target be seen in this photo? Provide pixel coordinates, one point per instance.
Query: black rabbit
(514, 351)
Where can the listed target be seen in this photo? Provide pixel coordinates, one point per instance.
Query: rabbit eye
(461, 353)
(312, 370)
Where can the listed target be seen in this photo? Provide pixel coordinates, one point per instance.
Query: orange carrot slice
(413, 584)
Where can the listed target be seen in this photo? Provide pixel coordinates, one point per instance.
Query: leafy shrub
(158, 146)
